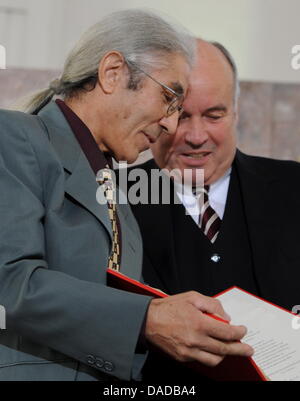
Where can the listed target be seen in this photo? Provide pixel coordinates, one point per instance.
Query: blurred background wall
(37, 35)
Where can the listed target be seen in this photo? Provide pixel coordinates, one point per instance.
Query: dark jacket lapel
(259, 191)
(158, 232)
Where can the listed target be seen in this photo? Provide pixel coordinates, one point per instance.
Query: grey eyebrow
(217, 108)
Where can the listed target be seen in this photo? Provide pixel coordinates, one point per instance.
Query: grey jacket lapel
(80, 180)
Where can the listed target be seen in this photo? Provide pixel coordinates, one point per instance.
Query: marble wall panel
(286, 122)
(255, 118)
(16, 83)
(269, 114)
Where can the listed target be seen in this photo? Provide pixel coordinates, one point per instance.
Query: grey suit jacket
(63, 322)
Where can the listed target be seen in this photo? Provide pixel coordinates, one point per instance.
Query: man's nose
(170, 123)
(196, 132)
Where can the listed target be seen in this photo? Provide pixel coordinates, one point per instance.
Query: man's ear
(111, 71)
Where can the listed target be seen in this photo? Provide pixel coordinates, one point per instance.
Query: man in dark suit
(245, 232)
(118, 93)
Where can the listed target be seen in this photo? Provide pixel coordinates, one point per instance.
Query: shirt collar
(187, 190)
(221, 180)
(89, 146)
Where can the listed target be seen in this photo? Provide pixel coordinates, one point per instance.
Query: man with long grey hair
(121, 88)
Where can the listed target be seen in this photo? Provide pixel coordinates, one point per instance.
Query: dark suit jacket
(271, 194)
(63, 321)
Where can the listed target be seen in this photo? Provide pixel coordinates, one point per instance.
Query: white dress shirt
(217, 197)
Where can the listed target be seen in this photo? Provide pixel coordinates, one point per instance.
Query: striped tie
(109, 192)
(209, 221)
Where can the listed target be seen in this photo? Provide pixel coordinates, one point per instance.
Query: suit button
(215, 258)
(91, 360)
(99, 362)
(108, 366)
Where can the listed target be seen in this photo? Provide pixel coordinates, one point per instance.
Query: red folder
(232, 368)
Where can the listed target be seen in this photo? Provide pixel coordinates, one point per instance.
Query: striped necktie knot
(209, 221)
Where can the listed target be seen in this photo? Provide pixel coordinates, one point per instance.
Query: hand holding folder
(189, 326)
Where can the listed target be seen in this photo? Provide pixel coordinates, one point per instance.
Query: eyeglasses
(176, 100)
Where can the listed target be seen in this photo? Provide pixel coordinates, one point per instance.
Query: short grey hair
(143, 38)
(234, 69)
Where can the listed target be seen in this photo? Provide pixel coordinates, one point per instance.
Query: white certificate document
(272, 332)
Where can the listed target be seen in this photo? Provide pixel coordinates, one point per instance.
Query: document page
(272, 332)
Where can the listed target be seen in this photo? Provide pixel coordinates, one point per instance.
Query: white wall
(259, 33)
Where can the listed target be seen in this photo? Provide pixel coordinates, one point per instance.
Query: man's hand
(178, 326)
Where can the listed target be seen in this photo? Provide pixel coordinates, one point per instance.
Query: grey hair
(141, 36)
(233, 66)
